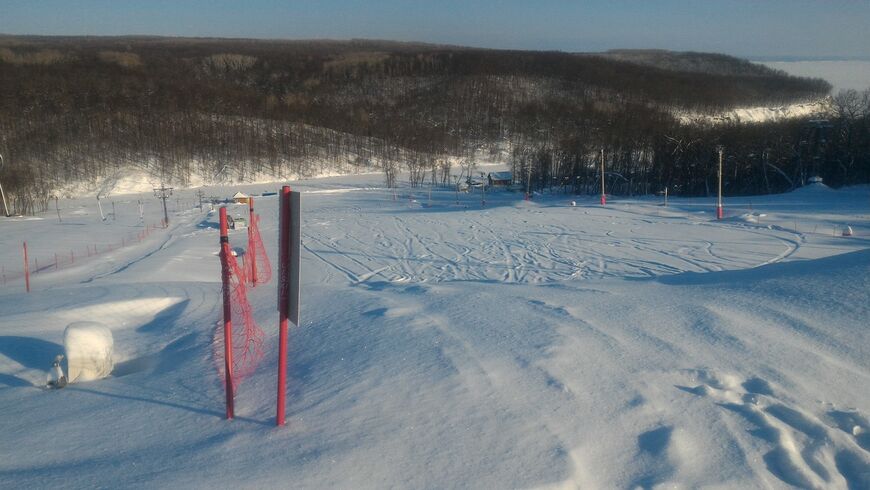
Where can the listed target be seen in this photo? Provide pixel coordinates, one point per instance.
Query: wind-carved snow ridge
(759, 114)
(804, 450)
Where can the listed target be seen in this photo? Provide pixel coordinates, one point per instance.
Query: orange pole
(283, 302)
(251, 249)
(228, 321)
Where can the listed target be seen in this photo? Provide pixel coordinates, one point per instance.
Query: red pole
(283, 302)
(26, 270)
(228, 321)
(251, 250)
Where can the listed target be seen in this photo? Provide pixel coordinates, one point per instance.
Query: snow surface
(450, 345)
(760, 114)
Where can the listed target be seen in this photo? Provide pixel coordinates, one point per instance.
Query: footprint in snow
(806, 452)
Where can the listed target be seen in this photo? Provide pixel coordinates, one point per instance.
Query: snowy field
(450, 345)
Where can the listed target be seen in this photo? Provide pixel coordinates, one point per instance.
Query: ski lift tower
(815, 139)
(163, 193)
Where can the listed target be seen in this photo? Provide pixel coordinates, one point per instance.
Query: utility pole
(100, 204)
(3, 194)
(719, 213)
(200, 195)
(603, 196)
(163, 193)
(529, 182)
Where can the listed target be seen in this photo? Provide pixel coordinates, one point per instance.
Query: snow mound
(748, 218)
(89, 347)
(814, 188)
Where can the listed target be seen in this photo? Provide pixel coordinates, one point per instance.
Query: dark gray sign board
(295, 255)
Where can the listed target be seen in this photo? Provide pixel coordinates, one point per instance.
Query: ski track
(530, 372)
(486, 247)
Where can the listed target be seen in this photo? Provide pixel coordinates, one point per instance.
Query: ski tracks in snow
(500, 245)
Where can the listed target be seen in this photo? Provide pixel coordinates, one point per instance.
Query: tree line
(79, 109)
(642, 158)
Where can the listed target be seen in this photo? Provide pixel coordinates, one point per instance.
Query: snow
(519, 345)
(88, 348)
(759, 114)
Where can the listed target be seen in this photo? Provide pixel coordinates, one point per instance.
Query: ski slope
(445, 344)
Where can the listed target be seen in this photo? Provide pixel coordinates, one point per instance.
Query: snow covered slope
(520, 345)
(760, 114)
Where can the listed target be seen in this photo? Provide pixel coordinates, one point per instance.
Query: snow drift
(88, 347)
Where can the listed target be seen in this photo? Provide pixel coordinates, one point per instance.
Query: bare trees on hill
(78, 109)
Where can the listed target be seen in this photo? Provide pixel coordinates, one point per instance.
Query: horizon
(811, 31)
(752, 58)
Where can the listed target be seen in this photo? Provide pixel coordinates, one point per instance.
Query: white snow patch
(89, 348)
(758, 114)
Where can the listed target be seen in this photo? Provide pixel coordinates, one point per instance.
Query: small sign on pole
(295, 255)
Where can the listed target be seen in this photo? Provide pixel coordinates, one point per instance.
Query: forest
(79, 109)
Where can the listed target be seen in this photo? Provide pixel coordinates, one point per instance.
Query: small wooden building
(500, 179)
(240, 198)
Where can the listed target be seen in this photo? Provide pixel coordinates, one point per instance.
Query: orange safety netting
(257, 265)
(247, 335)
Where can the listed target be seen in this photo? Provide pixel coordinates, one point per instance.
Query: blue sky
(750, 28)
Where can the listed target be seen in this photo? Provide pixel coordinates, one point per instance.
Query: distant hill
(72, 108)
(692, 62)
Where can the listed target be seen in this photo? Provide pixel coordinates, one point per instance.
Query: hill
(77, 108)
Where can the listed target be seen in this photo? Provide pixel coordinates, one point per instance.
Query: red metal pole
(26, 269)
(228, 322)
(251, 249)
(283, 302)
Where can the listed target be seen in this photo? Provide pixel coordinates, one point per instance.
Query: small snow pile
(88, 348)
(749, 217)
(814, 188)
